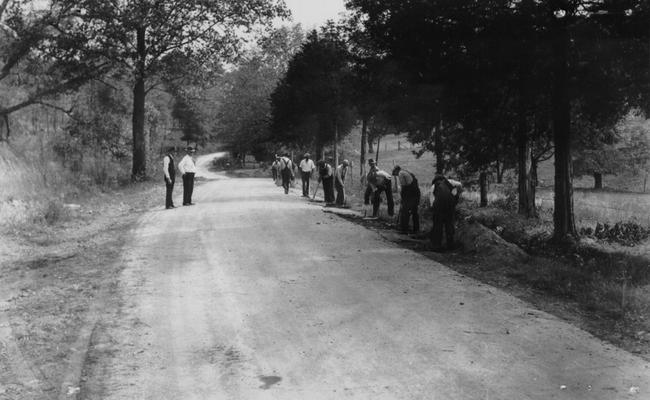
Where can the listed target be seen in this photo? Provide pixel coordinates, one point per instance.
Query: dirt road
(254, 294)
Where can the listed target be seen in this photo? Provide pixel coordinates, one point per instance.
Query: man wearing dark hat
(410, 199)
(443, 197)
(307, 168)
(169, 171)
(187, 168)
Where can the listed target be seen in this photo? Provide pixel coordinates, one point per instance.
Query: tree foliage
(244, 113)
(311, 104)
(28, 74)
(528, 69)
(137, 36)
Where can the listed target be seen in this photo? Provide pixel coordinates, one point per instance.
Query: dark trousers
(305, 182)
(188, 187)
(409, 209)
(168, 195)
(443, 220)
(328, 189)
(286, 180)
(275, 174)
(376, 198)
(340, 193)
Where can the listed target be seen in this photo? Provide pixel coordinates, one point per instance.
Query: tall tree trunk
(532, 187)
(525, 186)
(563, 217)
(482, 179)
(371, 145)
(336, 145)
(139, 169)
(320, 150)
(377, 155)
(437, 148)
(499, 172)
(364, 137)
(598, 180)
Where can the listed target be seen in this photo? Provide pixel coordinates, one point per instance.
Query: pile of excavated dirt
(478, 239)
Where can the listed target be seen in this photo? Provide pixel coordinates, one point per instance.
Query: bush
(53, 212)
(509, 202)
(625, 233)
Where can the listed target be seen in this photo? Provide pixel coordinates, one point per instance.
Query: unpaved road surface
(254, 294)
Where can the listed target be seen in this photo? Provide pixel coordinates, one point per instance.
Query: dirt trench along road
(254, 294)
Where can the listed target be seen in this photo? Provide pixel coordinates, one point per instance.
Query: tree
(137, 35)
(28, 75)
(244, 114)
(561, 61)
(624, 150)
(311, 104)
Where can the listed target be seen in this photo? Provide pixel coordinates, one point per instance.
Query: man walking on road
(378, 181)
(443, 198)
(275, 168)
(326, 175)
(410, 199)
(286, 171)
(307, 168)
(339, 182)
(187, 168)
(169, 171)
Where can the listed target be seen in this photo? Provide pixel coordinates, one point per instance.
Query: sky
(313, 13)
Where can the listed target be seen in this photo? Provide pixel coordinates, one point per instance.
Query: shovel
(315, 191)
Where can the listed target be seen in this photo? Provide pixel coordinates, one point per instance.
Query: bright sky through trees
(313, 13)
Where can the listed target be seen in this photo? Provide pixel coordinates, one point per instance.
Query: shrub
(625, 233)
(53, 212)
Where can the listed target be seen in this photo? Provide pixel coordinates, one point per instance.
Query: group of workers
(444, 193)
(331, 178)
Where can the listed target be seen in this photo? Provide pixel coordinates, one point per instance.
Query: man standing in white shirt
(187, 168)
(169, 170)
(307, 167)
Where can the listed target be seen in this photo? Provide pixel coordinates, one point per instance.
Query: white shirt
(166, 161)
(340, 173)
(285, 162)
(457, 187)
(307, 165)
(187, 165)
(377, 177)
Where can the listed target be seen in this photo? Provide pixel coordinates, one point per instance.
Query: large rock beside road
(479, 239)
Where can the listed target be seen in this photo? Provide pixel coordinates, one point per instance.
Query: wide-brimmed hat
(371, 161)
(307, 155)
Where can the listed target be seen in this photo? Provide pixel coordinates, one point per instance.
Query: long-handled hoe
(315, 191)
